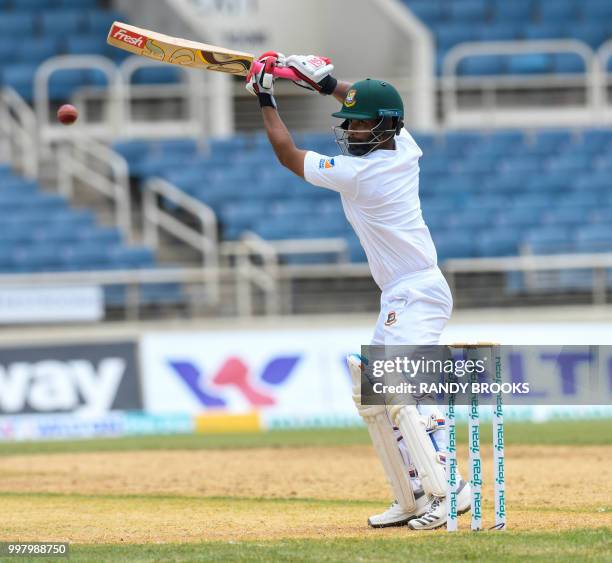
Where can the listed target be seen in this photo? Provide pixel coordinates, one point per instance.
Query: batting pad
(384, 441)
(421, 450)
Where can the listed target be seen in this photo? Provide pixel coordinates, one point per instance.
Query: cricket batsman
(377, 177)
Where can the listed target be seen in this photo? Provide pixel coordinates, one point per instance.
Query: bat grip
(279, 72)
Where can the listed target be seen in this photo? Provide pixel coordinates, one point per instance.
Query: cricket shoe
(436, 514)
(396, 515)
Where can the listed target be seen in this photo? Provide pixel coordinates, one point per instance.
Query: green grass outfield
(573, 545)
(583, 432)
(439, 547)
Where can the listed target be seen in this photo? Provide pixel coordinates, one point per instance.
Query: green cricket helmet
(372, 100)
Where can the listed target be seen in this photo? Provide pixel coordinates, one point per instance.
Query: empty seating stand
(482, 193)
(46, 28)
(42, 233)
(457, 21)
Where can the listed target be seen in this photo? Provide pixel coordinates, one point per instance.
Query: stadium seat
(593, 33)
(532, 63)
(546, 30)
(20, 77)
(157, 75)
(499, 31)
(34, 5)
(468, 11)
(36, 50)
(78, 44)
(568, 63)
(62, 22)
(62, 83)
(558, 11)
(596, 10)
(482, 66)
(16, 24)
(595, 238)
(98, 22)
(427, 10)
(499, 242)
(514, 11)
(79, 4)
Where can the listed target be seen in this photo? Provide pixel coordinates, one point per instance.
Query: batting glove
(261, 84)
(314, 71)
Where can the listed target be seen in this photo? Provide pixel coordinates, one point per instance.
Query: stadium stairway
(457, 21)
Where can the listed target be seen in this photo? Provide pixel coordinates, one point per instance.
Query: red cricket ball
(67, 114)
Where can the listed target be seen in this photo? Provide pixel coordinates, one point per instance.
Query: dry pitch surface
(271, 493)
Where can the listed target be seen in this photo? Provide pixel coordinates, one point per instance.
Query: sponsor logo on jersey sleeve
(326, 163)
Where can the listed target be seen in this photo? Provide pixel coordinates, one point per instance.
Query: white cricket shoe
(395, 515)
(436, 514)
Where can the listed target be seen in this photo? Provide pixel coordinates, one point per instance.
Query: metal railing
(118, 120)
(491, 114)
(157, 192)
(85, 162)
(526, 264)
(19, 128)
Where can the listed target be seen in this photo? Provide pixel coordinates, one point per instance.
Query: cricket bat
(184, 52)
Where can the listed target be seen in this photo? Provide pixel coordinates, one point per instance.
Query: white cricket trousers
(414, 311)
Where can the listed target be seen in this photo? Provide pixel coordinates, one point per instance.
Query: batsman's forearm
(278, 134)
(341, 90)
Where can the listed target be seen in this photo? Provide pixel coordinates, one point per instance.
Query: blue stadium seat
(596, 10)
(593, 33)
(132, 257)
(568, 63)
(469, 219)
(549, 240)
(427, 10)
(20, 77)
(449, 34)
(533, 63)
(573, 163)
(552, 140)
(79, 4)
(520, 218)
(157, 75)
(599, 182)
(595, 238)
(482, 66)
(567, 216)
(79, 44)
(99, 21)
(62, 22)
(36, 258)
(457, 243)
(62, 83)
(599, 139)
(514, 11)
(16, 24)
(36, 50)
(468, 11)
(558, 11)
(34, 5)
(546, 30)
(498, 242)
(500, 31)
(601, 215)
(86, 256)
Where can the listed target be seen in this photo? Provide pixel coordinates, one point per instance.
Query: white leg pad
(421, 449)
(384, 441)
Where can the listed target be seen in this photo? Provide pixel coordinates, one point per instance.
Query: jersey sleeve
(336, 173)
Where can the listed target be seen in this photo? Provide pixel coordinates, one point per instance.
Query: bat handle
(279, 72)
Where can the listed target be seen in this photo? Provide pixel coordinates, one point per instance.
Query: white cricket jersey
(380, 197)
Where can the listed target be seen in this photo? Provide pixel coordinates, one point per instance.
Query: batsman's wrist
(328, 85)
(266, 100)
